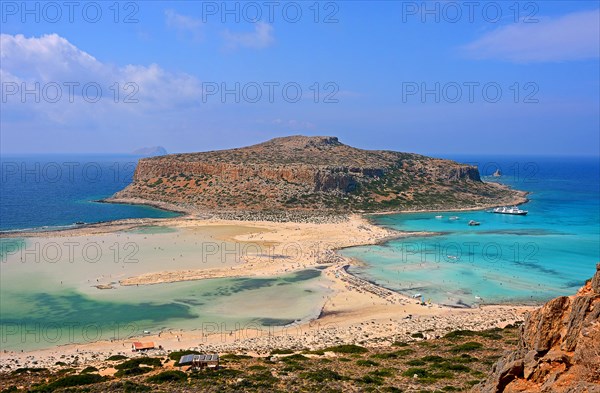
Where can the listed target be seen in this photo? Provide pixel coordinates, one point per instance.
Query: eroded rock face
(312, 173)
(559, 348)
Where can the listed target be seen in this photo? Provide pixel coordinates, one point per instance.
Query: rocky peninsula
(296, 175)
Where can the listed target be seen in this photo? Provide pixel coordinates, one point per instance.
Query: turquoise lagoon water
(49, 295)
(523, 259)
(36, 317)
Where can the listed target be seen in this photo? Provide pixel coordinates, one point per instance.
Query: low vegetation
(453, 363)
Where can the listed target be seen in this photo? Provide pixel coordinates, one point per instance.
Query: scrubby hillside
(311, 174)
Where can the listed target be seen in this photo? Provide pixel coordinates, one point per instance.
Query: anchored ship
(510, 210)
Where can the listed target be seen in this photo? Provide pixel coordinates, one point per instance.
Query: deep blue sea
(523, 259)
(57, 190)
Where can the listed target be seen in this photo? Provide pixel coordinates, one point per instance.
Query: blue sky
(370, 66)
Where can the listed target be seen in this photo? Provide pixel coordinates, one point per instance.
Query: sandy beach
(355, 311)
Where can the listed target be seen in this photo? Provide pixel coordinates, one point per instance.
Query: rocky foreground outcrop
(559, 348)
(311, 173)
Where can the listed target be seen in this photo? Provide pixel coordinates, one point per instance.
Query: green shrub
(468, 346)
(294, 358)
(432, 359)
(346, 348)
(23, 370)
(491, 334)
(234, 358)
(447, 366)
(393, 355)
(463, 358)
(281, 352)
(70, 381)
(293, 366)
(319, 352)
(257, 367)
(263, 379)
(383, 372)
(117, 357)
(130, 372)
(366, 363)
(222, 373)
(420, 372)
(136, 362)
(371, 379)
(88, 370)
(176, 355)
(129, 387)
(168, 376)
(459, 334)
(322, 375)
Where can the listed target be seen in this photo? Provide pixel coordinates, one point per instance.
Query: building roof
(189, 359)
(141, 346)
(206, 358)
(186, 359)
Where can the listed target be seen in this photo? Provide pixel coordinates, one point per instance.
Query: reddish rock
(559, 348)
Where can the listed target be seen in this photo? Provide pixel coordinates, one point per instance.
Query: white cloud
(571, 37)
(261, 37)
(184, 24)
(48, 57)
(51, 59)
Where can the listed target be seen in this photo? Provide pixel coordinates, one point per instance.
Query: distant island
(150, 151)
(310, 174)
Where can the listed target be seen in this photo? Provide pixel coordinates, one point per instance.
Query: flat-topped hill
(317, 150)
(311, 174)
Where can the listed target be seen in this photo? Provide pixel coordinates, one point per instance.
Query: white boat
(453, 218)
(438, 217)
(510, 210)
(473, 223)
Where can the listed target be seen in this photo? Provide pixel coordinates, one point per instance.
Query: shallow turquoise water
(33, 319)
(49, 295)
(549, 252)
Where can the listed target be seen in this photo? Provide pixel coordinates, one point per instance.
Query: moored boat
(510, 210)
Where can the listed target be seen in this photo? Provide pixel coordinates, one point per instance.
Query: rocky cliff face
(311, 173)
(559, 348)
